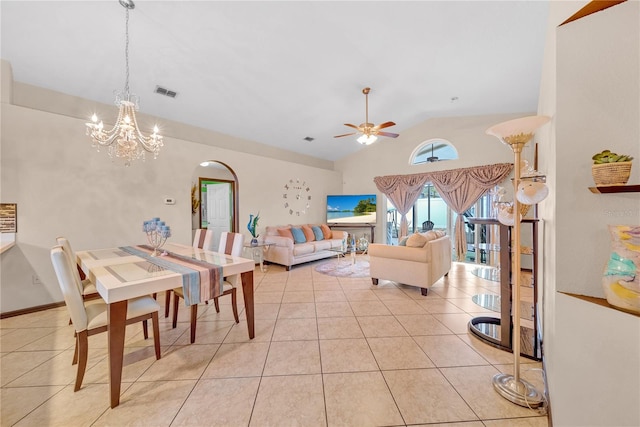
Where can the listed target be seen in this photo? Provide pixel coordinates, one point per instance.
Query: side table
(257, 252)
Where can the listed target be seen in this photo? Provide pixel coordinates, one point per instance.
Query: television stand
(371, 227)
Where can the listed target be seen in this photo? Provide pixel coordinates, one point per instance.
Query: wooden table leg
(116, 319)
(247, 292)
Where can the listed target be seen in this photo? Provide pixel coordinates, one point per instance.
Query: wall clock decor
(296, 197)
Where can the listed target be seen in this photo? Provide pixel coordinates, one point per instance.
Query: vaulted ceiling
(277, 72)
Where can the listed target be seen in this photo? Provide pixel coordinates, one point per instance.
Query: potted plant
(610, 168)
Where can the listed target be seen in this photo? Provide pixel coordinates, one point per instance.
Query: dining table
(123, 273)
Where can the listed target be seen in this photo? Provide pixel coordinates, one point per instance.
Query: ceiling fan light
(367, 139)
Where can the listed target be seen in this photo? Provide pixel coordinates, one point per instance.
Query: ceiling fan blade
(384, 125)
(389, 134)
(352, 126)
(346, 134)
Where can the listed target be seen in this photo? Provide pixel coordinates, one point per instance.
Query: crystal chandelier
(125, 140)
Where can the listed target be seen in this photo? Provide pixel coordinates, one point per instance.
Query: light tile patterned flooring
(327, 352)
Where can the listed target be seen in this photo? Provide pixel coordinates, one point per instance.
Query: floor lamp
(516, 134)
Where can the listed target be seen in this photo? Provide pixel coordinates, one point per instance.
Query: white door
(218, 210)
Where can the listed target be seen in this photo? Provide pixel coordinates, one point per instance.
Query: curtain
(459, 188)
(403, 191)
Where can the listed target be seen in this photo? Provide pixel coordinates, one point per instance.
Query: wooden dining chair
(230, 244)
(90, 317)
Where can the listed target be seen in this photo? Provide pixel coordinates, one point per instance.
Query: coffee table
(340, 253)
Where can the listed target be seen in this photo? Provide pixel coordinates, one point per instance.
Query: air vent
(166, 92)
(308, 138)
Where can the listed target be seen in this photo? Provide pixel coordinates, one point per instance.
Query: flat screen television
(351, 209)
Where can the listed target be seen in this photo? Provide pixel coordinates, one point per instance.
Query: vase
(621, 279)
(254, 241)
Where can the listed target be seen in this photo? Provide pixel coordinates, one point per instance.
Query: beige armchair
(422, 262)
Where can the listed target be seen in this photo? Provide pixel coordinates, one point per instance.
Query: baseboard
(31, 310)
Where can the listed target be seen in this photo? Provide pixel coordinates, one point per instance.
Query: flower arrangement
(252, 225)
(157, 233)
(195, 203)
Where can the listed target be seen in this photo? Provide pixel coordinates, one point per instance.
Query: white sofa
(422, 262)
(285, 252)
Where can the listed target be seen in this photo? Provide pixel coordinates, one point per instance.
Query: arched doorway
(214, 198)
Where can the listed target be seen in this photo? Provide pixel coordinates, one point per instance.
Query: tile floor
(327, 352)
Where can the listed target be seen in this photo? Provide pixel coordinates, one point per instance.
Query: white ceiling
(277, 72)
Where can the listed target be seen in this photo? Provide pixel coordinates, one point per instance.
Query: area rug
(344, 267)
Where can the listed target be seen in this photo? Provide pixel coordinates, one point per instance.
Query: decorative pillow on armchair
(416, 240)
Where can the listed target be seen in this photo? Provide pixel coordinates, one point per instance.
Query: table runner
(201, 281)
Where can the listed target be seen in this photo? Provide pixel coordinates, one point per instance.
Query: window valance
(459, 188)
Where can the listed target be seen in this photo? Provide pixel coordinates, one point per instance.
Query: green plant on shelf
(607, 156)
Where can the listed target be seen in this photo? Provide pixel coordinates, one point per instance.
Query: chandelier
(125, 140)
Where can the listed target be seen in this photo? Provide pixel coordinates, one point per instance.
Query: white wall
(590, 88)
(64, 187)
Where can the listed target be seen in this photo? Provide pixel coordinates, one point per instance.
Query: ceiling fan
(368, 130)
(432, 158)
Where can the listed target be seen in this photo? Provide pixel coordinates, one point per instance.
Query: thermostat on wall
(169, 201)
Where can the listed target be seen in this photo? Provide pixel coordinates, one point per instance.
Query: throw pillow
(298, 235)
(430, 235)
(285, 232)
(308, 233)
(403, 241)
(416, 241)
(317, 232)
(326, 231)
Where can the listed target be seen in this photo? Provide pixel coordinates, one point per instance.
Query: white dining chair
(88, 289)
(230, 244)
(90, 317)
(204, 239)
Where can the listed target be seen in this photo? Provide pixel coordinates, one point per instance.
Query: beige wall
(590, 88)
(64, 187)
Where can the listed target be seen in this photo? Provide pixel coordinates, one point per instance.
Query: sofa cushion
(317, 232)
(303, 249)
(285, 232)
(416, 240)
(308, 233)
(326, 231)
(322, 245)
(298, 235)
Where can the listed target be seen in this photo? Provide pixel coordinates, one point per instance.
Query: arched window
(433, 150)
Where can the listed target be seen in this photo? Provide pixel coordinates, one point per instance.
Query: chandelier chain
(126, 53)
